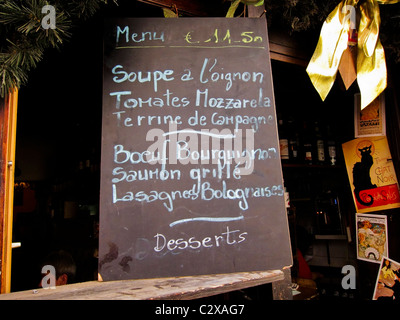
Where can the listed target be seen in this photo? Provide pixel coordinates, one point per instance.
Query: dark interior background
(59, 141)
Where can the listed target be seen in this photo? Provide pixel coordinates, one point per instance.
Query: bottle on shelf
(283, 140)
(307, 145)
(331, 147)
(320, 144)
(294, 142)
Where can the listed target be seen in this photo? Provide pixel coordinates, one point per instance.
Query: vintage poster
(371, 174)
(387, 285)
(372, 237)
(371, 120)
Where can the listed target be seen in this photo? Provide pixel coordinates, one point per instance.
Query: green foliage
(299, 15)
(235, 4)
(23, 40)
(232, 9)
(168, 13)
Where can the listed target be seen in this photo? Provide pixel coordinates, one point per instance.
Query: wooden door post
(8, 125)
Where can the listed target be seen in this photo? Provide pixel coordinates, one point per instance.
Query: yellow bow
(371, 64)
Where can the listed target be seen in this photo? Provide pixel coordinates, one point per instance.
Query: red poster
(382, 196)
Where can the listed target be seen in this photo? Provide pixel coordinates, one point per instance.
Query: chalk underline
(205, 133)
(205, 47)
(208, 219)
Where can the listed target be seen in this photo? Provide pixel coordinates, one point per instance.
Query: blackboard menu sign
(191, 178)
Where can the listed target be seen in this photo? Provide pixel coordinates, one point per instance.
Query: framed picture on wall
(372, 237)
(371, 120)
(388, 281)
(371, 174)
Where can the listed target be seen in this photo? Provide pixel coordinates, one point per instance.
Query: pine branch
(10, 76)
(23, 38)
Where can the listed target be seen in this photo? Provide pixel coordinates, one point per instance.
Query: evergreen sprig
(23, 40)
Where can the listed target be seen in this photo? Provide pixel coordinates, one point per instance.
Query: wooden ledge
(176, 288)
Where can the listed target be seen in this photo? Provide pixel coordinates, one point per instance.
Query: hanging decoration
(333, 43)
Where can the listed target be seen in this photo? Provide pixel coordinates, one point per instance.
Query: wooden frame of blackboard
(198, 53)
(172, 288)
(181, 54)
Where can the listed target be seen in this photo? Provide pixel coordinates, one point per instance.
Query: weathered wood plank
(3, 173)
(175, 288)
(284, 48)
(197, 8)
(282, 290)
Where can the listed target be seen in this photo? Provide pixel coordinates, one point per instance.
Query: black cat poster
(371, 173)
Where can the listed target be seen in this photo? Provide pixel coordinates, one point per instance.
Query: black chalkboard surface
(191, 178)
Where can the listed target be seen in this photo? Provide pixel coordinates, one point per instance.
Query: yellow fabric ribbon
(371, 64)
